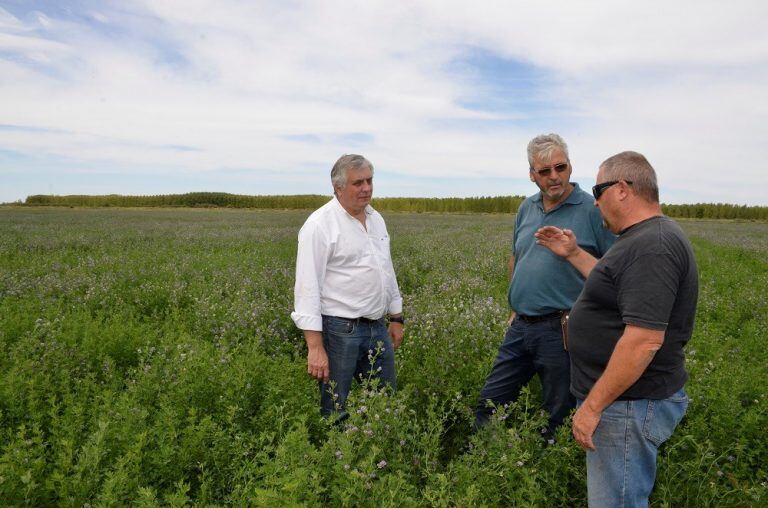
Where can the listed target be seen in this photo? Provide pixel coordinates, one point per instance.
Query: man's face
(356, 194)
(553, 183)
(606, 204)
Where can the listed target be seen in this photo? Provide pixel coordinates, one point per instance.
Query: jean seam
(627, 440)
(648, 424)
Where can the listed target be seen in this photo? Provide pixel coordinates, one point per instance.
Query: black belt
(544, 317)
(356, 320)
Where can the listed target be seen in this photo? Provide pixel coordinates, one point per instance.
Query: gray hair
(345, 162)
(633, 167)
(541, 147)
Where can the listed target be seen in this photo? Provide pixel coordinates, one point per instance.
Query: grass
(150, 359)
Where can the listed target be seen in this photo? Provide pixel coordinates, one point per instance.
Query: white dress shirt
(343, 269)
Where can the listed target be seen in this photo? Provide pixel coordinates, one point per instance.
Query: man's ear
(623, 190)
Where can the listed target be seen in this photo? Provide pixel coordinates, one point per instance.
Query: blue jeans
(622, 468)
(528, 349)
(357, 349)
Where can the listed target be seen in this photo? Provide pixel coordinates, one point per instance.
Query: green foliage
(150, 360)
(498, 204)
(484, 204)
(716, 211)
(192, 199)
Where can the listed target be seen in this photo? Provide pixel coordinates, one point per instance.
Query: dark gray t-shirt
(647, 279)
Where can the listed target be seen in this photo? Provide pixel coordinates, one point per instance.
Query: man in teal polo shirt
(543, 286)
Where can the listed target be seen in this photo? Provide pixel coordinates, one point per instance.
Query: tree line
(716, 211)
(498, 204)
(495, 204)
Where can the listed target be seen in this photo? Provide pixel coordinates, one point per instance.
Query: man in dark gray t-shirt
(647, 279)
(627, 331)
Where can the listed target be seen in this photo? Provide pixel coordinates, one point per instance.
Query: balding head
(633, 167)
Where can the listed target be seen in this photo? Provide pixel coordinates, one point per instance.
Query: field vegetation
(487, 204)
(149, 359)
(499, 204)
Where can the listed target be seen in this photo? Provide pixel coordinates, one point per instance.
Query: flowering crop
(149, 358)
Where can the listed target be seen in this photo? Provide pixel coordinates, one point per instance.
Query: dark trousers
(530, 348)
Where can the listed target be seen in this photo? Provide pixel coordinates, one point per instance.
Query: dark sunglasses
(598, 189)
(546, 171)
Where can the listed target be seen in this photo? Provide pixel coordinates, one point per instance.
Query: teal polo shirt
(542, 281)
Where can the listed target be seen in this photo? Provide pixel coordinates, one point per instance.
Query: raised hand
(560, 241)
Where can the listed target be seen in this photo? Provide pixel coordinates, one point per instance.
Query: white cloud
(26, 44)
(240, 82)
(101, 18)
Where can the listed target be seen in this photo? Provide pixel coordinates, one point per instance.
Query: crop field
(149, 359)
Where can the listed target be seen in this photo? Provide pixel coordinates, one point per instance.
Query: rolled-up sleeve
(395, 300)
(393, 290)
(311, 260)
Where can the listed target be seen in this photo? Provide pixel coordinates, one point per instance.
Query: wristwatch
(397, 319)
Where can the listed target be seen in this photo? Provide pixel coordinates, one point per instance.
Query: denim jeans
(356, 349)
(622, 468)
(528, 349)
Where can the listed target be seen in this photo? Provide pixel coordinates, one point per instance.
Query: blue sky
(156, 97)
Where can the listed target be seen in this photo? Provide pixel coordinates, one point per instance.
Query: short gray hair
(345, 162)
(633, 167)
(541, 147)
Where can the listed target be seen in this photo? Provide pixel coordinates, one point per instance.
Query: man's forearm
(317, 359)
(314, 339)
(633, 353)
(583, 261)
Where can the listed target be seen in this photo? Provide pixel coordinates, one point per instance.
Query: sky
(261, 97)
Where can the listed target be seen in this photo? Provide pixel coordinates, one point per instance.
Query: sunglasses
(546, 171)
(598, 189)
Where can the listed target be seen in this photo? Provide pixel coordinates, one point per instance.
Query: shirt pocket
(381, 246)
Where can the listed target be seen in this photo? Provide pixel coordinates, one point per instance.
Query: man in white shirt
(345, 286)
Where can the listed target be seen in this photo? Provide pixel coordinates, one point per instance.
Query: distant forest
(497, 204)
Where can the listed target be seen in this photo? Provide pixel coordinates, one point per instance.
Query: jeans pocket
(662, 416)
(338, 326)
